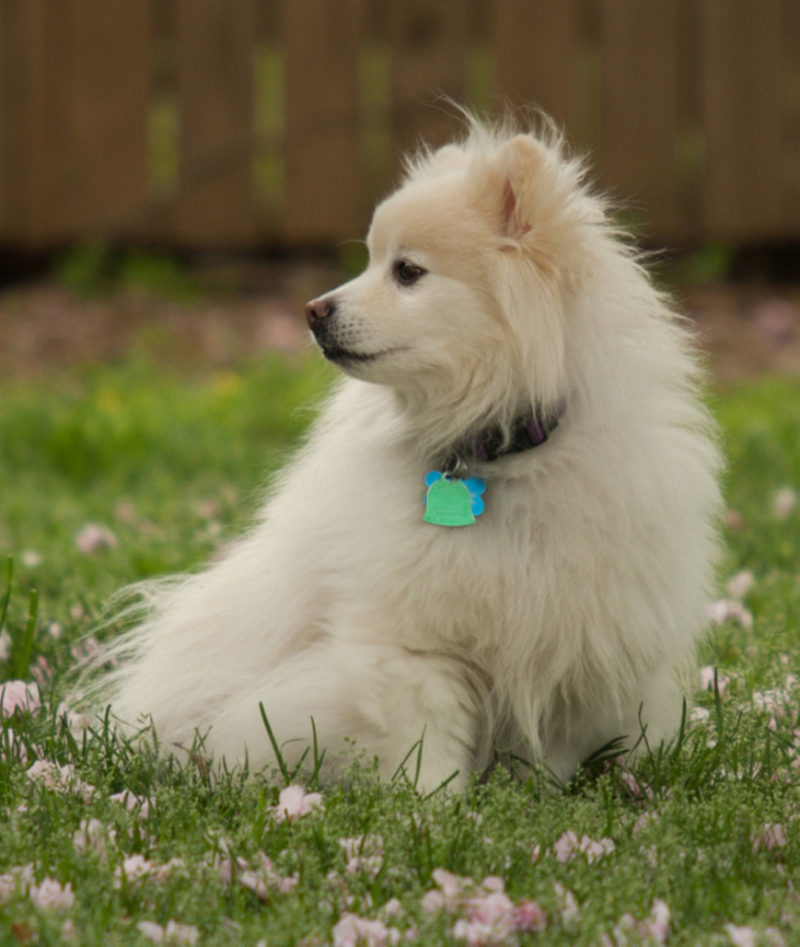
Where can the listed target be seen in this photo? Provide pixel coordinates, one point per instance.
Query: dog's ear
(521, 194)
(524, 182)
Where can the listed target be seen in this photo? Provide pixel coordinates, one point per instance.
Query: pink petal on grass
(133, 869)
(175, 933)
(772, 836)
(151, 930)
(55, 777)
(51, 894)
(740, 936)
(132, 803)
(93, 537)
(784, 502)
(657, 925)
(491, 909)
(18, 695)
(565, 847)
(354, 931)
(740, 584)
(295, 802)
(529, 916)
(728, 609)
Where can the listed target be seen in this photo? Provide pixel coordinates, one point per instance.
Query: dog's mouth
(335, 353)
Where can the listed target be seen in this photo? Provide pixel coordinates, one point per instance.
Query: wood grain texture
(324, 195)
(744, 183)
(640, 110)
(216, 41)
(533, 51)
(428, 48)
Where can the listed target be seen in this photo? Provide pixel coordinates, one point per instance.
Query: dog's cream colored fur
(544, 628)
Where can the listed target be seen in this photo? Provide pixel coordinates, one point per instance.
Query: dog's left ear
(525, 203)
(524, 183)
(520, 161)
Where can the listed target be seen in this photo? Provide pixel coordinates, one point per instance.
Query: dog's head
(461, 306)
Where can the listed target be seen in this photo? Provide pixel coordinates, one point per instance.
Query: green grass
(173, 467)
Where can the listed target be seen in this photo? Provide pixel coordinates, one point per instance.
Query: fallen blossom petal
(11, 746)
(566, 846)
(93, 537)
(255, 883)
(529, 916)
(133, 869)
(162, 872)
(433, 902)
(175, 933)
(451, 885)
(295, 802)
(699, 714)
(657, 925)
(226, 869)
(151, 930)
(92, 835)
(51, 894)
(740, 936)
(492, 909)
(569, 910)
(784, 502)
(728, 609)
(594, 851)
(740, 584)
(54, 777)
(8, 884)
(535, 852)
(132, 803)
(770, 837)
(19, 695)
(774, 937)
(392, 908)
(476, 934)
(364, 854)
(354, 931)
(642, 821)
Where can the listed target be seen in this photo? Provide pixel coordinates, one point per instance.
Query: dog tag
(451, 501)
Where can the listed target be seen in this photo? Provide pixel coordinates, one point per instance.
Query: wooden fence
(245, 123)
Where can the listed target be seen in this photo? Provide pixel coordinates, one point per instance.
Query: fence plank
(742, 119)
(428, 48)
(533, 50)
(790, 29)
(324, 194)
(3, 175)
(109, 90)
(216, 140)
(27, 175)
(640, 110)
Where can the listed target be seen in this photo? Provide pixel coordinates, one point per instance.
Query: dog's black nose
(318, 310)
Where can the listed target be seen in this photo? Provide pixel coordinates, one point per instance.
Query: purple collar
(528, 431)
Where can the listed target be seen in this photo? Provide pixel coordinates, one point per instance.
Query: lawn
(114, 474)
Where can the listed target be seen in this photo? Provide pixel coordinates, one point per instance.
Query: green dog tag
(449, 503)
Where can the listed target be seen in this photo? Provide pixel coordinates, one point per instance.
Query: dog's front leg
(370, 698)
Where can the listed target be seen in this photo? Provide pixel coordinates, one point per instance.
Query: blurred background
(197, 169)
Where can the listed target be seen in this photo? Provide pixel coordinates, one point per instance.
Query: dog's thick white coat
(550, 625)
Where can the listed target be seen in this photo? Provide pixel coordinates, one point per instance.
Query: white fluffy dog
(499, 531)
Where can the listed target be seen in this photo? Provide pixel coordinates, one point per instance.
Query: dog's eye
(406, 274)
